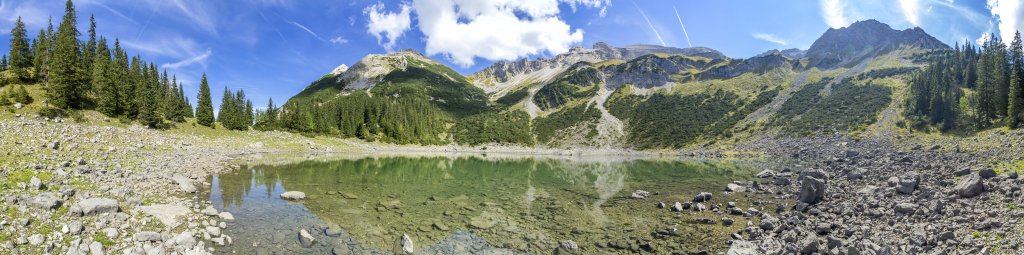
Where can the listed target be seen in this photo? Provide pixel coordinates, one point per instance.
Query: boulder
(47, 201)
(781, 181)
(767, 173)
(812, 190)
(226, 216)
(305, 238)
(568, 247)
(908, 183)
(293, 195)
(969, 186)
(905, 208)
(702, 197)
(182, 242)
(677, 207)
(640, 194)
(166, 213)
(816, 173)
(94, 206)
(986, 173)
(147, 236)
(35, 183)
(742, 247)
(210, 211)
(733, 187)
(184, 183)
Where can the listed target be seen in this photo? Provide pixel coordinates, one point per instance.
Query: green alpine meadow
(511, 127)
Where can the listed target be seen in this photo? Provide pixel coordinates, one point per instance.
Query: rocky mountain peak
(849, 45)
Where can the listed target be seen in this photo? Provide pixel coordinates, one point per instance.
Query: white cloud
(200, 59)
(770, 38)
(833, 13)
(307, 30)
(463, 30)
(1010, 15)
(644, 15)
(911, 11)
(602, 4)
(387, 25)
(339, 40)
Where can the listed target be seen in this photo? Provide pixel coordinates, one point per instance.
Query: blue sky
(274, 48)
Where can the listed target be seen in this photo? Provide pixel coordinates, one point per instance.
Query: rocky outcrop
(849, 45)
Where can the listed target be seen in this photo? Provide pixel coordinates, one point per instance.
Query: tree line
(92, 75)
(970, 87)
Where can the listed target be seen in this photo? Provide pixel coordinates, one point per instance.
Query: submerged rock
(641, 194)
(404, 245)
(305, 238)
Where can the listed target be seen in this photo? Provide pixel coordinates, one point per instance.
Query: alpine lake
(482, 204)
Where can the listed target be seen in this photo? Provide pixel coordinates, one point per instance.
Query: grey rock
(184, 183)
(767, 173)
(816, 173)
(733, 187)
(226, 216)
(183, 241)
(213, 231)
(75, 227)
(702, 197)
(919, 237)
(808, 245)
(893, 181)
(305, 239)
(35, 183)
(568, 247)
(293, 195)
(147, 236)
(210, 211)
(46, 201)
(728, 221)
(823, 228)
(742, 247)
(970, 186)
(986, 173)
(93, 206)
(36, 239)
(812, 190)
(962, 172)
(110, 232)
(781, 181)
(677, 207)
(96, 248)
(640, 194)
(905, 208)
(769, 223)
(908, 183)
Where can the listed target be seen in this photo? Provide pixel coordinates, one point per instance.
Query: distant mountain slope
(639, 96)
(849, 45)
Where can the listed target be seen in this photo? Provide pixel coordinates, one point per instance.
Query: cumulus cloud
(770, 38)
(833, 13)
(463, 30)
(387, 27)
(1010, 15)
(911, 11)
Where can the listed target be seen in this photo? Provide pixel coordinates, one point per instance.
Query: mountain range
(636, 96)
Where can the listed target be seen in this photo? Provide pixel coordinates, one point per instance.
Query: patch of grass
(14, 177)
(102, 239)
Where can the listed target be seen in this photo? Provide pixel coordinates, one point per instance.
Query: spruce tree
(21, 56)
(102, 84)
(226, 115)
(88, 54)
(42, 49)
(204, 109)
(1016, 82)
(3, 63)
(65, 73)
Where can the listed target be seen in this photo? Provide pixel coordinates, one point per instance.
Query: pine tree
(1016, 81)
(3, 63)
(21, 56)
(226, 115)
(42, 49)
(65, 73)
(102, 84)
(88, 54)
(204, 109)
(121, 81)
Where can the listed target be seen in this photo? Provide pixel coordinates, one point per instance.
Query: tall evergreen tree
(42, 49)
(121, 80)
(89, 52)
(21, 56)
(1016, 81)
(204, 109)
(102, 82)
(3, 63)
(65, 69)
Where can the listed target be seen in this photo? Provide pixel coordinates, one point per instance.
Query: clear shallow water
(472, 204)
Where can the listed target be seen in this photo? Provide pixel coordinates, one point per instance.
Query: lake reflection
(472, 204)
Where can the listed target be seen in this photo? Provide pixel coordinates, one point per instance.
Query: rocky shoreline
(94, 189)
(869, 197)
